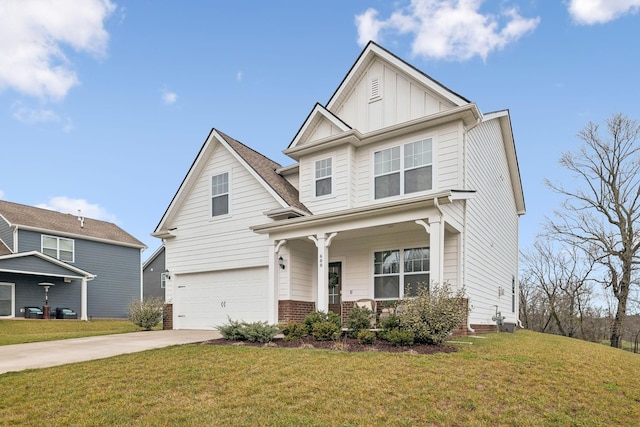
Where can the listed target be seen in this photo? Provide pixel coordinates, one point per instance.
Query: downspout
(465, 140)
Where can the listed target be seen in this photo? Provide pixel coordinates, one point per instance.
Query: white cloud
(589, 12)
(34, 116)
(169, 97)
(448, 29)
(33, 34)
(71, 206)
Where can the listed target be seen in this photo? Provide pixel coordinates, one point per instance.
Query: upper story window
(400, 273)
(220, 194)
(323, 177)
(58, 247)
(403, 169)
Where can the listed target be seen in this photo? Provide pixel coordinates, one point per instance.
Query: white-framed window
(400, 273)
(403, 169)
(163, 280)
(7, 298)
(323, 177)
(58, 247)
(220, 194)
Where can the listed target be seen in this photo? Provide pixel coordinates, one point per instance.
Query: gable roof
(260, 166)
(371, 51)
(46, 266)
(48, 221)
(316, 116)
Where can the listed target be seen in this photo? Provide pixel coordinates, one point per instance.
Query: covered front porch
(32, 279)
(383, 252)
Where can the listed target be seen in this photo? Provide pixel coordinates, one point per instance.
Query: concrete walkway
(18, 357)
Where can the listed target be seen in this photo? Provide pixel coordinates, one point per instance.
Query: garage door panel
(208, 300)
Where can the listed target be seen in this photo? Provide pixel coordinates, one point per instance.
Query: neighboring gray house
(154, 275)
(93, 267)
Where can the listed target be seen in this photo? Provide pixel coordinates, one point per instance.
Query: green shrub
(389, 322)
(366, 337)
(400, 337)
(232, 330)
(147, 313)
(359, 319)
(432, 314)
(325, 330)
(293, 331)
(320, 316)
(260, 332)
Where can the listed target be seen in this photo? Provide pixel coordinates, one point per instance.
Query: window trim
(401, 271)
(163, 280)
(58, 239)
(330, 176)
(403, 169)
(211, 195)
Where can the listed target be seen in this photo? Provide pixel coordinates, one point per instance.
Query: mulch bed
(343, 344)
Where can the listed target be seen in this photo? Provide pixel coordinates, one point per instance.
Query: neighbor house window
(400, 273)
(403, 169)
(163, 280)
(220, 194)
(58, 247)
(323, 177)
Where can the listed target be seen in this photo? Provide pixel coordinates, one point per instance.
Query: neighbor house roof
(45, 220)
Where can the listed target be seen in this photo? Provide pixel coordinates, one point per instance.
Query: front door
(335, 287)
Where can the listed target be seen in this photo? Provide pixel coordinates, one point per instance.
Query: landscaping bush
(359, 319)
(366, 337)
(260, 332)
(293, 331)
(325, 330)
(390, 322)
(400, 337)
(432, 314)
(320, 316)
(147, 313)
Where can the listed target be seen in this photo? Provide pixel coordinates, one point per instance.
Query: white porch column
(436, 249)
(322, 243)
(83, 299)
(272, 287)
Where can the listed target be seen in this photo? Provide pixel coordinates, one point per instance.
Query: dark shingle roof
(266, 168)
(47, 220)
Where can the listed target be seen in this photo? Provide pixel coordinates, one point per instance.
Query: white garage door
(208, 300)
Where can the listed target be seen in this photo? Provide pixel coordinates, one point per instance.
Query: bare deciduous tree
(557, 288)
(601, 213)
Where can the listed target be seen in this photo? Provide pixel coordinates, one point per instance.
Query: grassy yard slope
(24, 331)
(522, 379)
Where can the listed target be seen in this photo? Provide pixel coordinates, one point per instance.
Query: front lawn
(521, 379)
(34, 330)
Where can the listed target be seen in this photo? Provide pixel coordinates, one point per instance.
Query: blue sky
(105, 104)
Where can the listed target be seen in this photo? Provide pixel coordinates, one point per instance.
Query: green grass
(521, 379)
(24, 331)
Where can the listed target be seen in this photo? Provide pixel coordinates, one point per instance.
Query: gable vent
(375, 89)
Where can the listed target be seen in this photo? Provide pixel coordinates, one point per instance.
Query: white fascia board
(512, 157)
(371, 52)
(318, 113)
(370, 210)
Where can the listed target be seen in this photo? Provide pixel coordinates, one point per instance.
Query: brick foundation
(484, 329)
(294, 310)
(167, 317)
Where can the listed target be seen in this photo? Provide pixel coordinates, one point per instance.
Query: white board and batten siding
(384, 96)
(208, 256)
(492, 227)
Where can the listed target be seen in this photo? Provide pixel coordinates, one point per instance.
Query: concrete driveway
(18, 357)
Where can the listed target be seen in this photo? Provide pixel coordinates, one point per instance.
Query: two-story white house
(398, 182)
